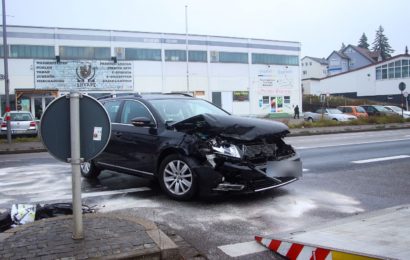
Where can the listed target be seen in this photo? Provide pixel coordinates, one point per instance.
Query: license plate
(284, 169)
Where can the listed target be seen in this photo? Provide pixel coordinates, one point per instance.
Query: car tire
(334, 119)
(310, 120)
(89, 170)
(177, 177)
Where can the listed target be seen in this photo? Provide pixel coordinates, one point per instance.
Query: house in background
(313, 67)
(351, 58)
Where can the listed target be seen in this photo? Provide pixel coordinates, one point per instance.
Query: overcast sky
(320, 25)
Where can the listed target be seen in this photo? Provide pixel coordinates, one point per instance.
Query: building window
(31, 51)
(310, 63)
(175, 55)
(304, 72)
(90, 53)
(229, 57)
(198, 56)
(142, 54)
(275, 59)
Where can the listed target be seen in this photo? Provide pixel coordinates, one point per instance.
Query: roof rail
(113, 95)
(179, 93)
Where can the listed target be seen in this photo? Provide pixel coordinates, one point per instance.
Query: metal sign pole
(6, 74)
(75, 164)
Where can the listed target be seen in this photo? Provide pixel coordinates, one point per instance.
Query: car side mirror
(142, 122)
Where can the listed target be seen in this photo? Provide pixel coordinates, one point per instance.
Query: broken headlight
(228, 150)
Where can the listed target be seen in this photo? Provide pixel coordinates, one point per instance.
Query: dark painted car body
(226, 153)
(375, 110)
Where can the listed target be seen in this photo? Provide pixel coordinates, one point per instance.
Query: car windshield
(20, 117)
(394, 108)
(334, 111)
(175, 110)
(360, 110)
(381, 108)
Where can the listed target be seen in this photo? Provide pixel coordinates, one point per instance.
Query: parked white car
(328, 114)
(397, 110)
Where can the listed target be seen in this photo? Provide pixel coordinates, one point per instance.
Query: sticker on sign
(97, 133)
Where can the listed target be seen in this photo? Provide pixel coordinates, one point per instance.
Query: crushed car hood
(235, 127)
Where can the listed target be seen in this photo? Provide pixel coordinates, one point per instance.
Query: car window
(360, 110)
(133, 109)
(334, 111)
(112, 108)
(21, 117)
(381, 108)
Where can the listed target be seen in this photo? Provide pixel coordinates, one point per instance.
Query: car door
(139, 144)
(109, 156)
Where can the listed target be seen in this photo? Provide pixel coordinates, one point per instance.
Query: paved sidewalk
(106, 236)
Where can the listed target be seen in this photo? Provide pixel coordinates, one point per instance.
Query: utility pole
(186, 46)
(6, 73)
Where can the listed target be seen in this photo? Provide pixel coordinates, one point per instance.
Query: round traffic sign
(95, 128)
(402, 86)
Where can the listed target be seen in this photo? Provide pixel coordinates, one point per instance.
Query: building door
(217, 99)
(223, 100)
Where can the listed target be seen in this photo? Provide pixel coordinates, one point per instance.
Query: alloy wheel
(178, 177)
(85, 167)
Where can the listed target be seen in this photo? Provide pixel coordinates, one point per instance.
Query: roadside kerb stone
(106, 236)
(346, 129)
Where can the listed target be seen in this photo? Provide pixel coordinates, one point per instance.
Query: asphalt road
(344, 174)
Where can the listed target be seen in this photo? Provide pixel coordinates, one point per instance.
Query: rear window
(21, 117)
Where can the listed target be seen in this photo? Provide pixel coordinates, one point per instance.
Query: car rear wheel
(177, 178)
(310, 119)
(89, 170)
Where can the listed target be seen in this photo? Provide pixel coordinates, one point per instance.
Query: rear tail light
(4, 124)
(32, 123)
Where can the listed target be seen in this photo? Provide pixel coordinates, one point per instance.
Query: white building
(379, 81)
(313, 67)
(243, 76)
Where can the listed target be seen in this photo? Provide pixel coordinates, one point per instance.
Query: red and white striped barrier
(295, 251)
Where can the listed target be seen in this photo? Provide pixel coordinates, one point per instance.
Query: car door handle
(118, 134)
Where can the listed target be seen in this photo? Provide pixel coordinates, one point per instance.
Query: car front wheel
(89, 170)
(177, 178)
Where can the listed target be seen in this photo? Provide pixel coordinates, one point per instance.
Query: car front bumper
(235, 178)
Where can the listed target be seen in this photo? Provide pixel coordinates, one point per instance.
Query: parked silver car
(21, 122)
(397, 110)
(327, 114)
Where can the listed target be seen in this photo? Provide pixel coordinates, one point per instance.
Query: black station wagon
(191, 146)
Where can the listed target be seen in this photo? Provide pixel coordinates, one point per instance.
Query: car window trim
(122, 108)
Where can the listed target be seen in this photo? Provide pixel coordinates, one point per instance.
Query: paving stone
(52, 239)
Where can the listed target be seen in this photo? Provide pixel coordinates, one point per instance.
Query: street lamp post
(6, 73)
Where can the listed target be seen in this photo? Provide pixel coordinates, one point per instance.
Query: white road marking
(240, 249)
(382, 159)
(332, 145)
(97, 194)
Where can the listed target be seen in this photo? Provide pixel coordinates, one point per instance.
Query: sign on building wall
(83, 75)
(240, 95)
(277, 88)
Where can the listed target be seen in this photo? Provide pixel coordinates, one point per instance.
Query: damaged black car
(193, 147)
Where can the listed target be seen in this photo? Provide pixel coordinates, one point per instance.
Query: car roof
(147, 96)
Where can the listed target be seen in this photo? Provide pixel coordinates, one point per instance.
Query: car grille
(259, 151)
